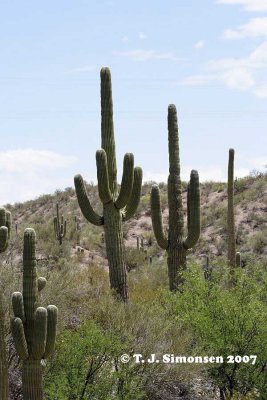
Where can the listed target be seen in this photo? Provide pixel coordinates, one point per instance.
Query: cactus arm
(107, 128)
(193, 212)
(17, 305)
(41, 283)
(40, 332)
(134, 199)
(3, 238)
(19, 338)
(102, 177)
(156, 216)
(126, 182)
(52, 313)
(84, 202)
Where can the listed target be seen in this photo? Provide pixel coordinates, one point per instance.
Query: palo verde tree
(176, 244)
(118, 206)
(5, 227)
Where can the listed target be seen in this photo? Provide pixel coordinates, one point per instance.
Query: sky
(208, 57)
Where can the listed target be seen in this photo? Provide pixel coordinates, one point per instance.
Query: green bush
(226, 321)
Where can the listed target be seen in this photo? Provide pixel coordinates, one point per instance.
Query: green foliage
(86, 369)
(226, 322)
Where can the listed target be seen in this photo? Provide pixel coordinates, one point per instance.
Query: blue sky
(209, 57)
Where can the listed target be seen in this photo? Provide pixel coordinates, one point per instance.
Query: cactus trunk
(230, 214)
(176, 265)
(115, 250)
(32, 380)
(3, 356)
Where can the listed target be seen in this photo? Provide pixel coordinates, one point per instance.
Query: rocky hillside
(250, 211)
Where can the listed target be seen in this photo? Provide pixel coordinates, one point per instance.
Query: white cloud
(235, 73)
(142, 36)
(199, 45)
(84, 68)
(256, 27)
(248, 5)
(146, 55)
(27, 173)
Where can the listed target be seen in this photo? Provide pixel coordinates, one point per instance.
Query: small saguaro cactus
(175, 244)
(60, 226)
(33, 328)
(118, 206)
(5, 228)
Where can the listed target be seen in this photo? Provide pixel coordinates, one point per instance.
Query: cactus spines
(33, 328)
(117, 206)
(60, 226)
(175, 244)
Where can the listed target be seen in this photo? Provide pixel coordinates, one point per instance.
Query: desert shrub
(258, 241)
(226, 321)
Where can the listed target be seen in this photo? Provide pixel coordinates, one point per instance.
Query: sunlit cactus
(175, 243)
(33, 328)
(118, 206)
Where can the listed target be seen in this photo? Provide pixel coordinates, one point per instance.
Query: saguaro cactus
(5, 228)
(176, 245)
(60, 226)
(234, 258)
(33, 328)
(117, 207)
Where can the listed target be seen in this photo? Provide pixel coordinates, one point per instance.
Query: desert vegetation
(105, 285)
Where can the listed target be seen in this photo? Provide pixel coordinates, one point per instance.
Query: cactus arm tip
(126, 182)
(156, 216)
(52, 314)
(132, 205)
(84, 202)
(18, 334)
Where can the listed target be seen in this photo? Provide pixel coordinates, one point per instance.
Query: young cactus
(175, 244)
(60, 226)
(5, 228)
(117, 206)
(33, 328)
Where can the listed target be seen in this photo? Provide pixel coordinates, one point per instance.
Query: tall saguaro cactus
(60, 226)
(175, 244)
(5, 227)
(33, 328)
(117, 206)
